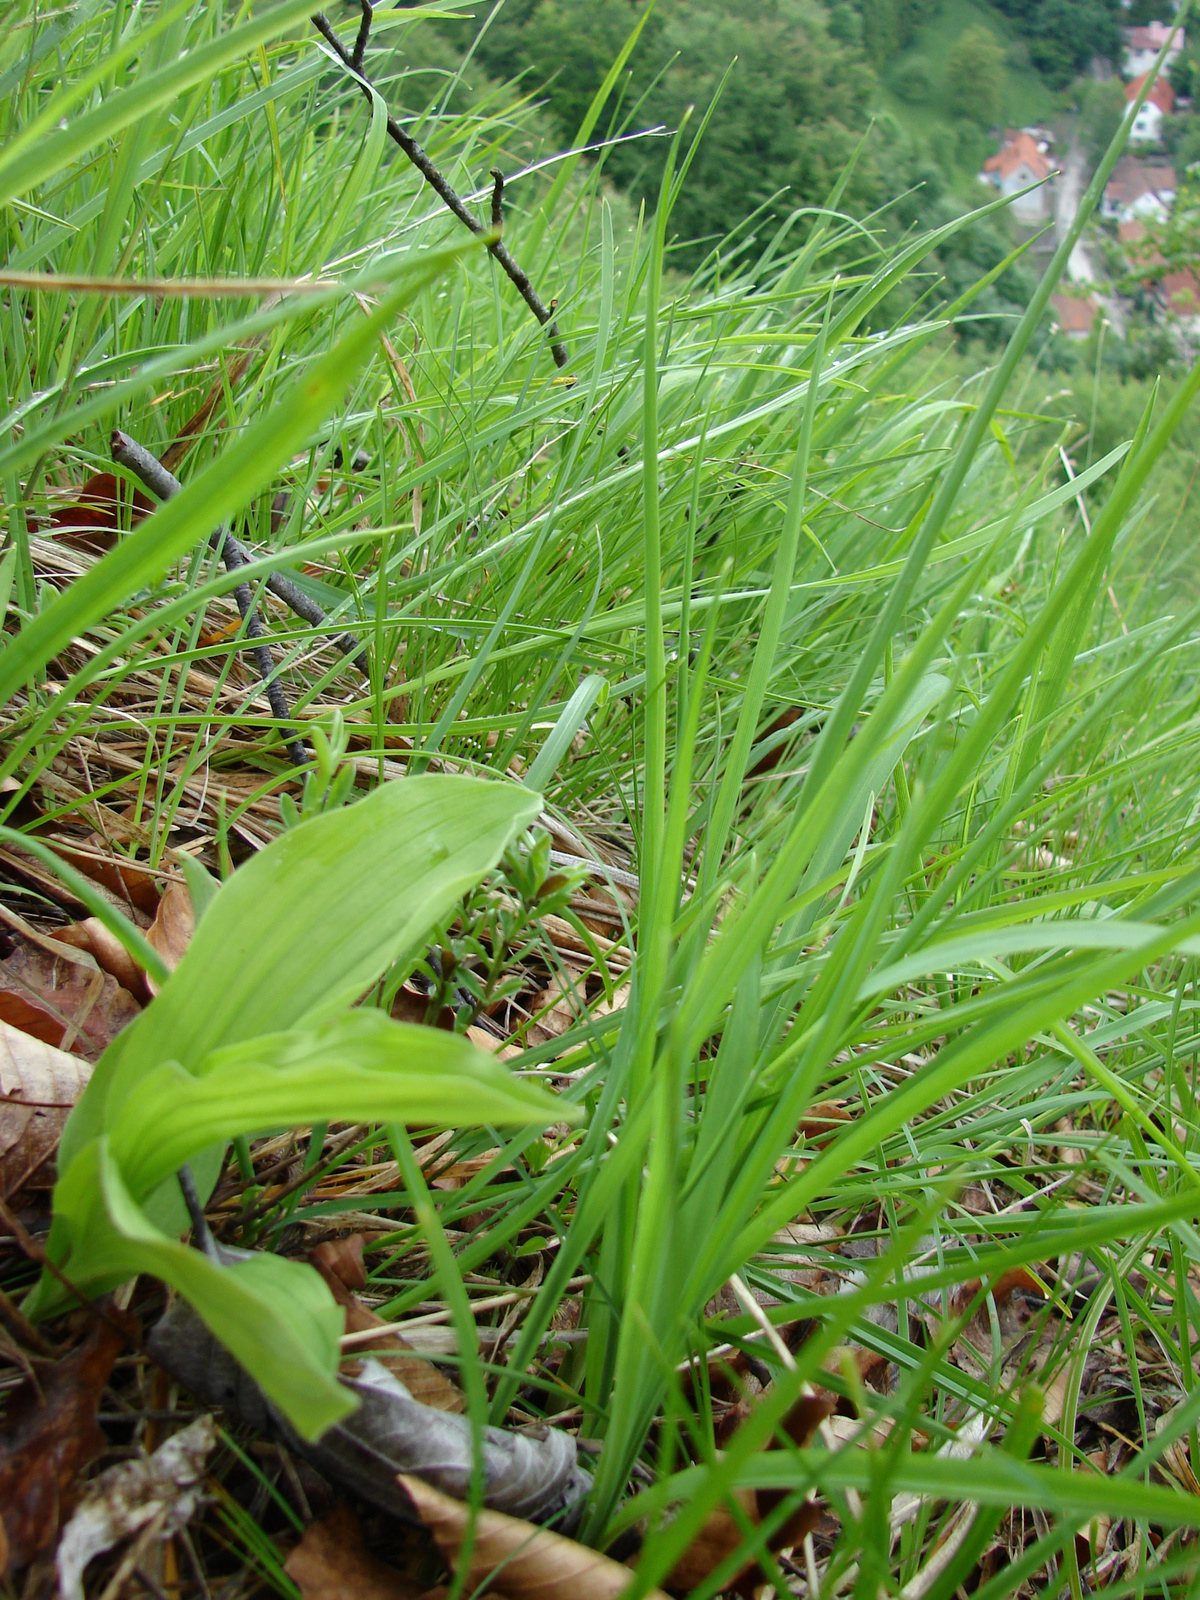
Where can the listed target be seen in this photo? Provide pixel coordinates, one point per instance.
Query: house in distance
(1147, 125)
(1022, 160)
(1143, 44)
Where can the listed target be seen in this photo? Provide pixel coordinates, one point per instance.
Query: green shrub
(974, 80)
(913, 80)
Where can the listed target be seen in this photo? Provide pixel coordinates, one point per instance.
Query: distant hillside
(1026, 98)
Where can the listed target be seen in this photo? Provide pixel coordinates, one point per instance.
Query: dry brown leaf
(1006, 1284)
(344, 1259)
(722, 1534)
(64, 1000)
(158, 1495)
(717, 1540)
(109, 954)
(421, 1378)
(821, 1122)
(489, 1041)
(171, 931)
(94, 520)
(49, 1436)
(331, 1562)
(130, 885)
(38, 1087)
(518, 1559)
(560, 1013)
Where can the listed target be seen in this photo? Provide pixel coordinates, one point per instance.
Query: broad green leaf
(362, 1068)
(308, 924)
(275, 1316)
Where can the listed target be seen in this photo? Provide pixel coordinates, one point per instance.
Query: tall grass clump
(832, 659)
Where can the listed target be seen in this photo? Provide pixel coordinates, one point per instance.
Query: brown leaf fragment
(556, 1011)
(38, 1087)
(49, 1435)
(130, 885)
(109, 954)
(64, 1000)
(719, 1537)
(343, 1260)
(331, 1562)
(779, 724)
(421, 1378)
(1006, 1284)
(722, 1532)
(171, 931)
(164, 1490)
(821, 1122)
(516, 1558)
(489, 1041)
(94, 520)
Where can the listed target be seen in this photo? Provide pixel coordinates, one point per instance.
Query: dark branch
(449, 197)
(234, 555)
(364, 33)
(201, 1234)
(497, 200)
(128, 453)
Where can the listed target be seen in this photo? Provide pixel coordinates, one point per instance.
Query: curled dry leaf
(38, 1087)
(128, 885)
(132, 1494)
(489, 1041)
(109, 954)
(821, 1122)
(337, 1258)
(49, 1435)
(94, 521)
(515, 1558)
(722, 1532)
(63, 1000)
(171, 931)
(533, 1476)
(331, 1562)
(341, 1261)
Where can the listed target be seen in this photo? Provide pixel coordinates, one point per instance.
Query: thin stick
(126, 452)
(201, 1233)
(516, 274)
(280, 709)
(497, 199)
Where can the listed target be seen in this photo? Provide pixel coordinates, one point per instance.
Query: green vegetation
(974, 81)
(1025, 98)
(845, 667)
(1064, 35)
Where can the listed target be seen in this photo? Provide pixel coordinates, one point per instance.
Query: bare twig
(445, 193)
(235, 556)
(497, 199)
(201, 1233)
(364, 33)
(158, 478)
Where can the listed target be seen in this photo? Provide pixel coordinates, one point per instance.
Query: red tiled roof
(1152, 36)
(1132, 179)
(1162, 95)
(1072, 315)
(1019, 150)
